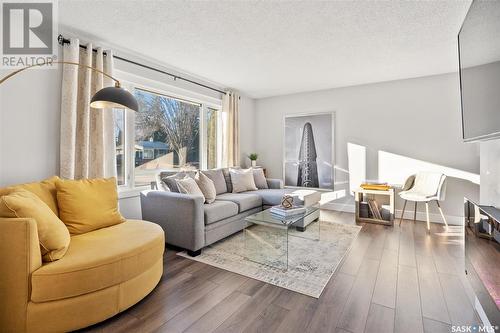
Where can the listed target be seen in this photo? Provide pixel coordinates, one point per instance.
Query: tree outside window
(167, 134)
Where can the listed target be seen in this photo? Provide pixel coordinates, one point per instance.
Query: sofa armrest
(180, 215)
(20, 257)
(274, 183)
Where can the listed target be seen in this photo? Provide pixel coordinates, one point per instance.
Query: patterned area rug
(311, 262)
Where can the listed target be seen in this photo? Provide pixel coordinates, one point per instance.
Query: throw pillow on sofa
(160, 184)
(227, 178)
(242, 180)
(88, 204)
(53, 235)
(259, 178)
(217, 177)
(171, 181)
(188, 185)
(206, 186)
(45, 190)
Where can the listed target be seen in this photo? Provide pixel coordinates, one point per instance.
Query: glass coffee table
(266, 236)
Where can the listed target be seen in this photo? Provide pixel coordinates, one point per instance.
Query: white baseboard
(433, 217)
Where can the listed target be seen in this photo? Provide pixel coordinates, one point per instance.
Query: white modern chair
(424, 187)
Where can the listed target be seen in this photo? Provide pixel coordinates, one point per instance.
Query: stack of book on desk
(287, 212)
(375, 186)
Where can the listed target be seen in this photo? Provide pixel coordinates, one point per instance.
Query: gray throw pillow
(171, 181)
(206, 186)
(242, 180)
(160, 184)
(187, 185)
(217, 177)
(259, 178)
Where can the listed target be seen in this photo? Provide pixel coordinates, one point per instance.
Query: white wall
(29, 126)
(247, 129)
(415, 119)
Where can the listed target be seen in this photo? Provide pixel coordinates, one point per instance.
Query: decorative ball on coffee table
(287, 201)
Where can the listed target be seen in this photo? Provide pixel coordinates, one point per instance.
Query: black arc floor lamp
(109, 97)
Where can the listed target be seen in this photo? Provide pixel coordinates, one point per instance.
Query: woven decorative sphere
(287, 201)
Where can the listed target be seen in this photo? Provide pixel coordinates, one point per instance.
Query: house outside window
(148, 154)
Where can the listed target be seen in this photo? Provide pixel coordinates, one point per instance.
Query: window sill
(127, 192)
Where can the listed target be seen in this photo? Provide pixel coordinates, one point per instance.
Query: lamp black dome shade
(114, 97)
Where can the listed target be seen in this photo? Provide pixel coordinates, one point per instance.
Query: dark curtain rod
(63, 41)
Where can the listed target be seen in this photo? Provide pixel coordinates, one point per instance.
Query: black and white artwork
(308, 150)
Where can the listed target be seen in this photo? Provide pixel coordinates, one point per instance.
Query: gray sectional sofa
(191, 224)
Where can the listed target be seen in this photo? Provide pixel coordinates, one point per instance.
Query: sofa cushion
(171, 180)
(242, 180)
(45, 190)
(245, 201)
(52, 233)
(188, 185)
(100, 259)
(259, 178)
(227, 178)
(88, 204)
(219, 210)
(206, 186)
(217, 177)
(272, 197)
(160, 184)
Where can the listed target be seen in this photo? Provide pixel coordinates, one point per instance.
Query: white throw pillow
(242, 180)
(206, 186)
(259, 178)
(187, 185)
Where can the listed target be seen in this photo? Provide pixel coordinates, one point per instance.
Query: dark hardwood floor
(394, 279)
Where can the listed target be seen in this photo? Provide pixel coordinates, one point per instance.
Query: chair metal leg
(427, 215)
(402, 213)
(415, 213)
(442, 215)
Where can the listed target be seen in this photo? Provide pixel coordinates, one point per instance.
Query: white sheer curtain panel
(231, 129)
(87, 146)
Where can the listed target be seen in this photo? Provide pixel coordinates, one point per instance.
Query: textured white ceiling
(269, 48)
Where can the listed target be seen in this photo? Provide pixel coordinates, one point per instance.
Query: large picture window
(167, 133)
(119, 115)
(170, 133)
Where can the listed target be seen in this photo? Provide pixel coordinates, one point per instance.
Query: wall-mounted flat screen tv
(479, 54)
